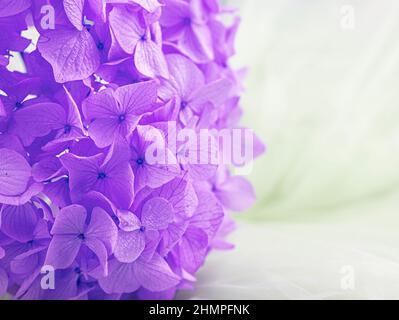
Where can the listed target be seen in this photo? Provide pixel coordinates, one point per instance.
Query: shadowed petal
(37, 121)
(19, 222)
(13, 7)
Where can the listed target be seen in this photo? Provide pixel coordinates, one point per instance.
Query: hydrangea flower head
(104, 185)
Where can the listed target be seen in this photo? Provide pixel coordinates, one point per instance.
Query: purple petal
(101, 105)
(58, 192)
(185, 78)
(236, 194)
(126, 27)
(197, 43)
(33, 190)
(193, 249)
(46, 169)
(63, 250)
(149, 5)
(27, 262)
(121, 278)
(19, 222)
(72, 54)
(155, 275)
(104, 131)
(174, 12)
(130, 245)
(70, 221)
(128, 221)
(157, 213)
(98, 248)
(15, 173)
(3, 281)
(74, 12)
(13, 7)
(118, 185)
(103, 228)
(150, 60)
(215, 92)
(37, 121)
(83, 172)
(181, 195)
(171, 236)
(209, 214)
(138, 98)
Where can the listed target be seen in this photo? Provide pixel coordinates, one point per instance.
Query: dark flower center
(187, 21)
(77, 270)
(121, 118)
(81, 236)
(67, 129)
(18, 105)
(140, 161)
(101, 176)
(142, 229)
(100, 46)
(183, 104)
(30, 243)
(144, 37)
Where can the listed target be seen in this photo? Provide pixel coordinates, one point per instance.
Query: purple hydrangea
(85, 210)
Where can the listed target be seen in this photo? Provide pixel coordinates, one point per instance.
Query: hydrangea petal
(74, 12)
(103, 228)
(126, 27)
(15, 173)
(209, 214)
(37, 121)
(19, 222)
(63, 250)
(149, 5)
(72, 54)
(150, 60)
(121, 278)
(129, 246)
(193, 249)
(155, 275)
(13, 7)
(70, 220)
(157, 213)
(236, 194)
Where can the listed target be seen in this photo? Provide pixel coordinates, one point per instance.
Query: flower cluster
(84, 214)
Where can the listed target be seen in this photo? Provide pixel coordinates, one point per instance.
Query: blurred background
(322, 92)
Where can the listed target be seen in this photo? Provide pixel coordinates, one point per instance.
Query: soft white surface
(336, 258)
(326, 101)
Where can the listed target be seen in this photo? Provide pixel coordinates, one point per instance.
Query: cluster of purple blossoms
(77, 195)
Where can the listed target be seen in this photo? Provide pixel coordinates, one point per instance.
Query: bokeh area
(322, 92)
